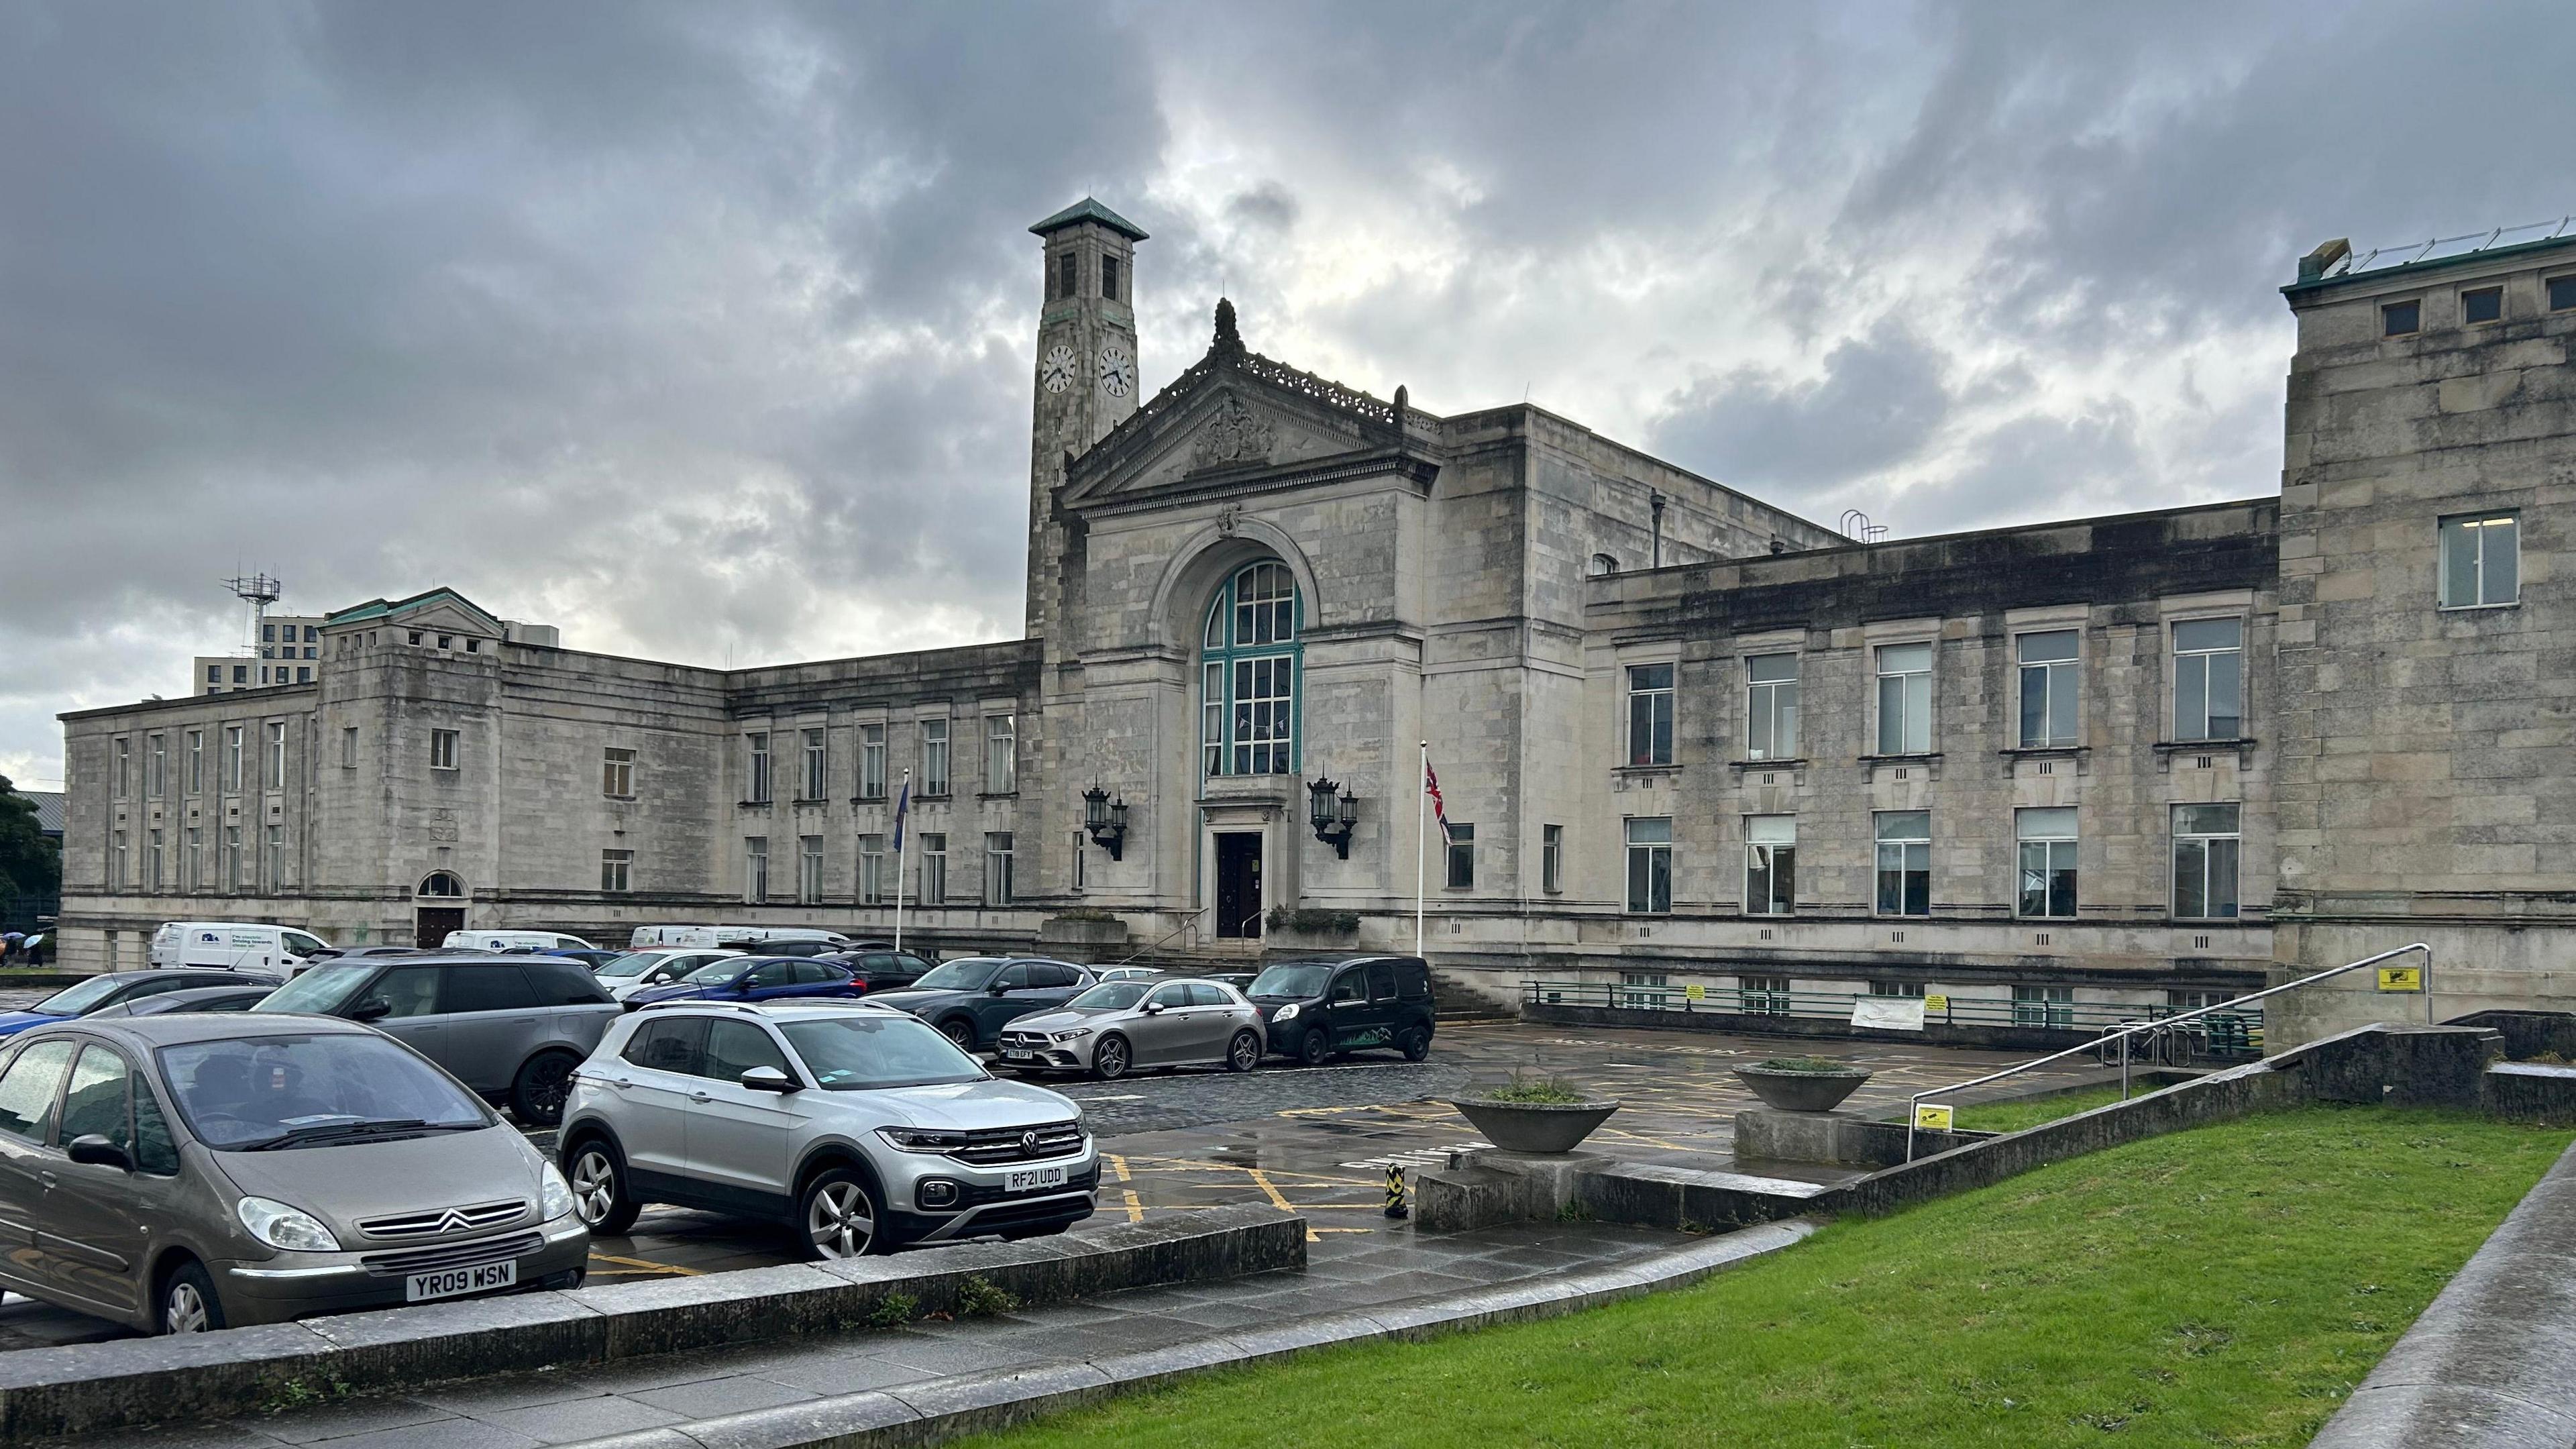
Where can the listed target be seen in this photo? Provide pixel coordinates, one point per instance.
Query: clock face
(1057, 371)
(1117, 371)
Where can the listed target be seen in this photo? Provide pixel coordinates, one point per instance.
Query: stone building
(1687, 741)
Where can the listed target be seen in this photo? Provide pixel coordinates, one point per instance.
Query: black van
(1320, 1008)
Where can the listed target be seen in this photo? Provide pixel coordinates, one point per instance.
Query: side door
(94, 1238)
(412, 1015)
(991, 1010)
(31, 1087)
(1213, 1015)
(1346, 1005)
(1161, 1027)
(768, 980)
(1053, 983)
(574, 1008)
(493, 1024)
(1379, 1029)
(823, 979)
(654, 1078)
(738, 1138)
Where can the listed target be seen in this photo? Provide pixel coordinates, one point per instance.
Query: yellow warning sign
(1936, 1003)
(1695, 992)
(1932, 1116)
(2401, 978)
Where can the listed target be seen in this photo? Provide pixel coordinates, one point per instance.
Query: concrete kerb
(950, 1408)
(134, 1383)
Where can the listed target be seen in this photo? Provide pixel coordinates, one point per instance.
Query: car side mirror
(997, 989)
(768, 1079)
(97, 1151)
(1153, 1008)
(374, 1008)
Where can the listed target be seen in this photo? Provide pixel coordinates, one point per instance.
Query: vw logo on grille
(1028, 1142)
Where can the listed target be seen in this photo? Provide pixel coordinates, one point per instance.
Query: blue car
(756, 978)
(116, 988)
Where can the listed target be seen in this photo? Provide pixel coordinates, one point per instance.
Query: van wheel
(599, 1191)
(1109, 1059)
(1243, 1053)
(542, 1087)
(1416, 1043)
(1314, 1048)
(188, 1301)
(838, 1218)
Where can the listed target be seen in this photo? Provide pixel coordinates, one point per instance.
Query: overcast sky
(705, 331)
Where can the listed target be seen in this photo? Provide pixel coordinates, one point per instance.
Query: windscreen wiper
(325, 1131)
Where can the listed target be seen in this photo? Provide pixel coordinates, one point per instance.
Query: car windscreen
(73, 1000)
(1297, 979)
(970, 973)
(716, 972)
(1112, 996)
(270, 1091)
(632, 964)
(322, 990)
(860, 1053)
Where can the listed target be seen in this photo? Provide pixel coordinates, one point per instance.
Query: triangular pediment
(433, 609)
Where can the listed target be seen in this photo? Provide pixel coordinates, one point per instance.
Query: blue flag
(902, 807)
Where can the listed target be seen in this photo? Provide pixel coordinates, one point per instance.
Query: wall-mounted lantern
(1333, 818)
(1106, 819)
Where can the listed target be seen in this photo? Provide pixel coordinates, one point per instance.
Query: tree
(31, 866)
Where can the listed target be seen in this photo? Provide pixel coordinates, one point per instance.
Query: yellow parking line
(1261, 1180)
(1118, 1165)
(1135, 1209)
(641, 1264)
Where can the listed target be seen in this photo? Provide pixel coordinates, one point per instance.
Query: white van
(515, 941)
(234, 946)
(648, 936)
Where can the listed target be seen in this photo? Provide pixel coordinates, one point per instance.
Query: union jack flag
(1439, 807)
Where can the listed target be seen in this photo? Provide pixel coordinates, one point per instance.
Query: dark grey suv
(511, 1027)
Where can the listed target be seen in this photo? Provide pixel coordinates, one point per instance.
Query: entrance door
(1238, 885)
(436, 922)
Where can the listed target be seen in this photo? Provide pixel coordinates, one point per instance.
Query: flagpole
(1421, 839)
(903, 804)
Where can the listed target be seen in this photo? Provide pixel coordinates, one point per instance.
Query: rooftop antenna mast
(1856, 525)
(259, 591)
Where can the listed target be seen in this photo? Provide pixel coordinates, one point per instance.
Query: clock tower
(1085, 380)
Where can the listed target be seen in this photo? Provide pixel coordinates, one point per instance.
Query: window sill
(868, 799)
(998, 795)
(2046, 750)
(2476, 608)
(931, 795)
(1929, 760)
(1664, 769)
(756, 804)
(1797, 763)
(619, 799)
(2242, 747)
(811, 800)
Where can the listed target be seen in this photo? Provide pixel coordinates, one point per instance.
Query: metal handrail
(2085, 1016)
(2123, 1034)
(1191, 924)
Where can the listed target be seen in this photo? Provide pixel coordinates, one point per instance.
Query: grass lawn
(2228, 1285)
(2012, 1116)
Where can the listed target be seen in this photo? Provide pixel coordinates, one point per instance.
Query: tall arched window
(1249, 660)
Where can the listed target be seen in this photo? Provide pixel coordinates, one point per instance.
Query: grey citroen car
(1119, 1026)
(189, 1172)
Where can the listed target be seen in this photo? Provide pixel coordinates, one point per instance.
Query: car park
(1319, 1009)
(513, 941)
(755, 978)
(882, 968)
(1122, 1026)
(235, 946)
(188, 1172)
(971, 997)
(859, 1127)
(654, 966)
(200, 998)
(513, 1028)
(82, 998)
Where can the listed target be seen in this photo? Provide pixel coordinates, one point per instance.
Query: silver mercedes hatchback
(1120, 1026)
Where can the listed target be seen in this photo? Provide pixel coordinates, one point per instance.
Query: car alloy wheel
(543, 1087)
(185, 1309)
(1244, 1054)
(594, 1186)
(1109, 1059)
(839, 1220)
(959, 1032)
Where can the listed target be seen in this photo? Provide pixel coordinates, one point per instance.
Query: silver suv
(862, 1127)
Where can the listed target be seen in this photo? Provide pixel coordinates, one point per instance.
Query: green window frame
(1252, 665)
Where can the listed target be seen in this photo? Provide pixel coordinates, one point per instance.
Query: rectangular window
(934, 757)
(2399, 319)
(1264, 698)
(1001, 754)
(1212, 718)
(1764, 995)
(348, 747)
(2205, 857)
(2047, 688)
(196, 762)
(757, 776)
(755, 869)
(119, 868)
(241, 674)
(1650, 714)
(1644, 990)
(277, 755)
(1109, 278)
(872, 762)
(304, 674)
(195, 865)
(1064, 274)
(1081, 863)
(2209, 674)
(152, 860)
(2482, 304)
(156, 769)
(1771, 707)
(1905, 862)
(616, 871)
(214, 674)
(809, 870)
(1904, 699)
(124, 767)
(818, 775)
(1462, 856)
(442, 749)
(276, 873)
(934, 867)
(2481, 560)
(1770, 865)
(876, 881)
(232, 759)
(997, 868)
(232, 859)
(1551, 858)
(617, 774)
(2046, 840)
(2562, 294)
(2049, 1006)
(1650, 865)
(1898, 989)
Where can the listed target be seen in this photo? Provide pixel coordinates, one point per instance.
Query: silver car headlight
(280, 1226)
(554, 1195)
(1077, 1034)
(912, 1139)
(1286, 1013)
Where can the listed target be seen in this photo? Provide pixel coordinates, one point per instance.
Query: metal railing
(2124, 1034)
(1185, 927)
(2239, 1035)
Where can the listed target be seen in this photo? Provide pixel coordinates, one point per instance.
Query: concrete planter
(1801, 1091)
(1060, 931)
(1534, 1126)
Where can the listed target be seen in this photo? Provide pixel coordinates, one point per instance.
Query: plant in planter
(1543, 1114)
(1802, 1084)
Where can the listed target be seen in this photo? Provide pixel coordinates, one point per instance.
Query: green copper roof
(1089, 210)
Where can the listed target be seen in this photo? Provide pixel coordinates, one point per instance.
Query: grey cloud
(1881, 399)
(2030, 468)
(1269, 206)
